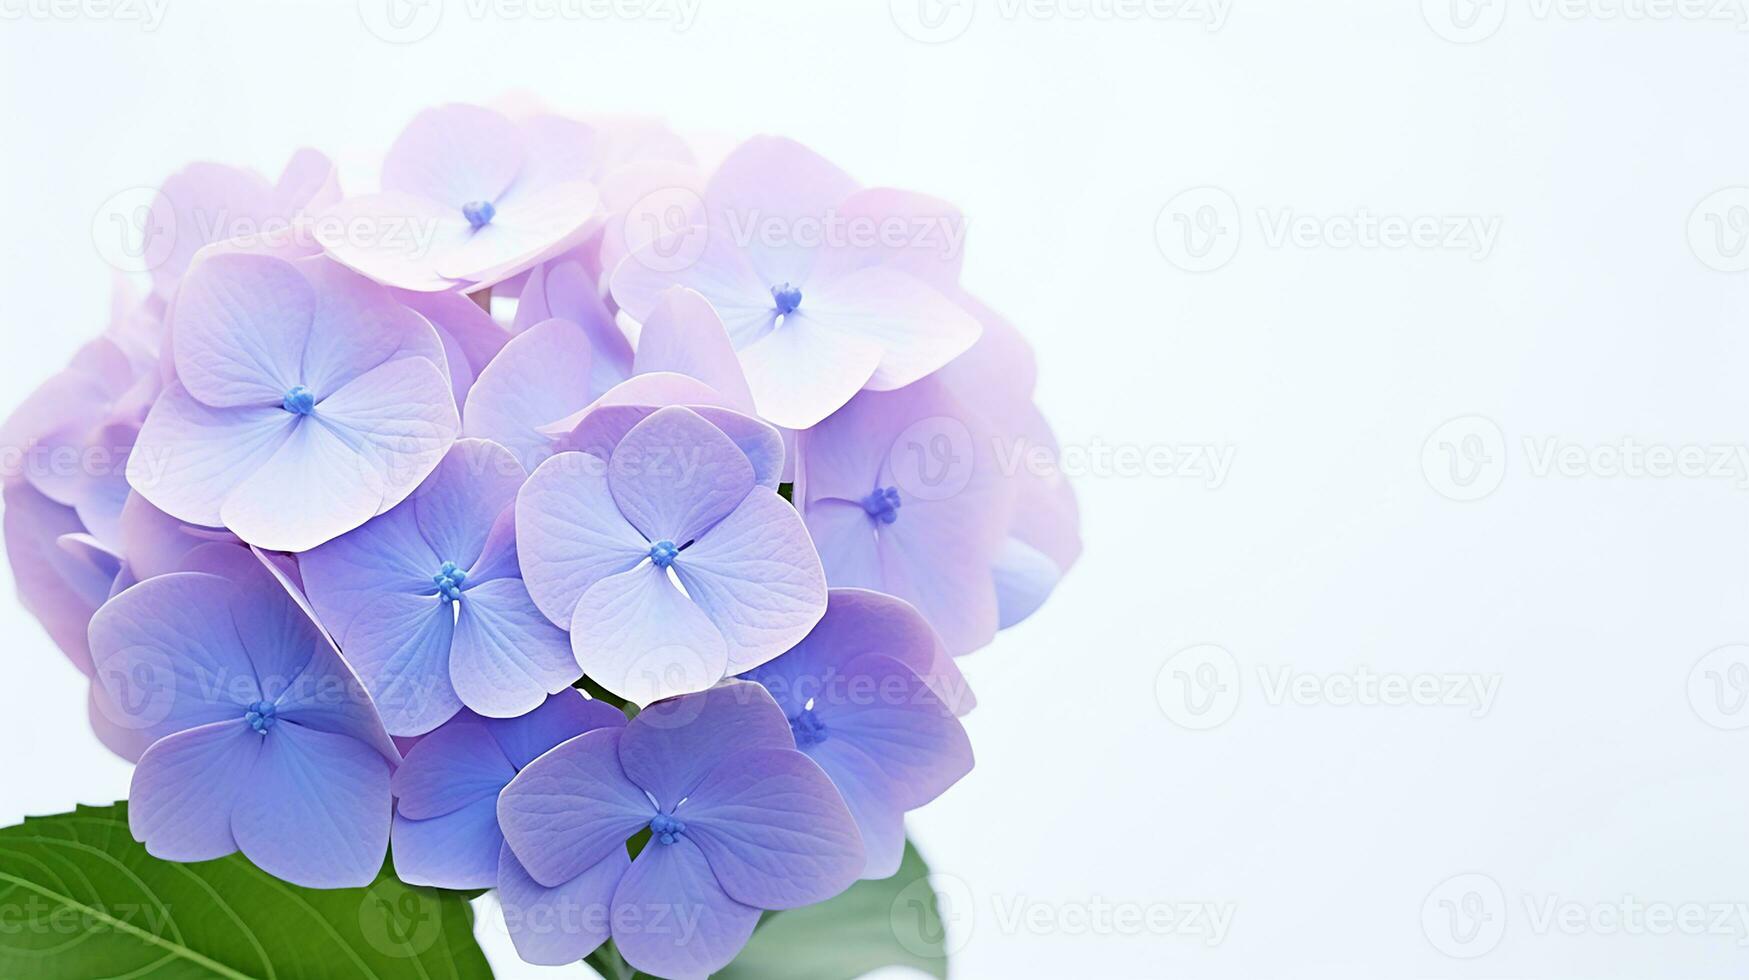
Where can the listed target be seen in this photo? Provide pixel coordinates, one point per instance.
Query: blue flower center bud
(261, 716)
(807, 728)
(449, 581)
(666, 829)
(479, 213)
(299, 400)
(663, 553)
(787, 298)
(883, 504)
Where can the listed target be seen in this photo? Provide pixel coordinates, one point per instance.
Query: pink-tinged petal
(189, 458)
(541, 375)
(126, 742)
(242, 323)
(571, 808)
(361, 452)
(400, 647)
(807, 369)
(598, 429)
(358, 326)
(757, 577)
(708, 261)
(564, 289)
(558, 926)
(671, 746)
(185, 787)
(774, 830)
(683, 334)
(674, 475)
(507, 657)
(471, 338)
(153, 541)
(387, 554)
(459, 502)
(649, 201)
(913, 233)
(563, 716)
(672, 919)
(532, 225)
(452, 767)
(455, 155)
(167, 657)
(316, 810)
(59, 590)
(917, 327)
(636, 635)
(202, 204)
(457, 850)
(308, 181)
(394, 238)
(569, 533)
(773, 182)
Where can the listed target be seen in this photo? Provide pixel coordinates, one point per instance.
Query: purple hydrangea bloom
(739, 821)
(446, 811)
(814, 319)
(860, 695)
(469, 198)
(672, 566)
(261, 738)
(306, 402)
(547, 372)
(428, 601)
(902, 493)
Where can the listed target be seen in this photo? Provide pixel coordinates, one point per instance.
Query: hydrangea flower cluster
(566, 516)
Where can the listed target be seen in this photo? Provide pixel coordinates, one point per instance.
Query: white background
(1588, 595)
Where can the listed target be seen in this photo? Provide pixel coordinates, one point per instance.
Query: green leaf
(79, 898)
(892, 922)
